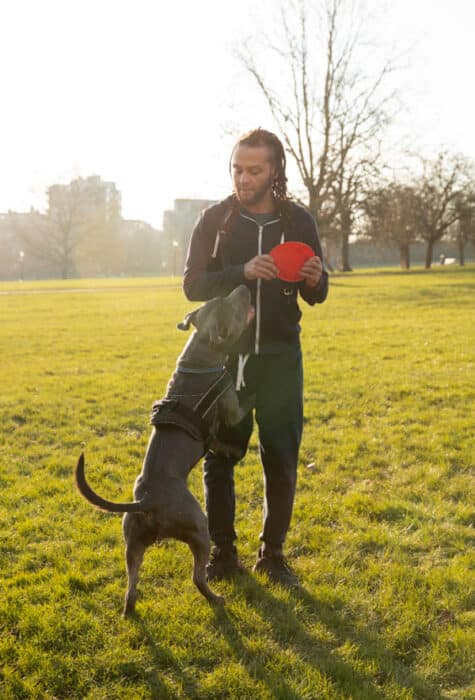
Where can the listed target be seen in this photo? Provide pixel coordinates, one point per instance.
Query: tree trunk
(313, 205)
(429, 253)
(461, 245)
(345, 253)
(345, 243)
(404, 256)
(327, 258)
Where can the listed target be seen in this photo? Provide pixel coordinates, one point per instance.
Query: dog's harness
(196, 420)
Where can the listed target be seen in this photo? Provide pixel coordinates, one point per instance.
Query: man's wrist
(313, 285)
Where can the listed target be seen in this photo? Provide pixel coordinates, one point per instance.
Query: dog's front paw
(224, 449)
(218, 600)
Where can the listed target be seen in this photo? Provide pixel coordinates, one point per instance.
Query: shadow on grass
(287, 621)
(255, 665)
(162, 657)
(289, 632)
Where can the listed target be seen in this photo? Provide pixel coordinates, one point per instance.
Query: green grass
(382, 535)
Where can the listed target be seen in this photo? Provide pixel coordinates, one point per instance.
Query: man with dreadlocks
(230, 246)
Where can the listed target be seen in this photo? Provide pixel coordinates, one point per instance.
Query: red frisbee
(289, 258)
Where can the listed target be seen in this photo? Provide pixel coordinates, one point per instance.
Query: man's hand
(261, 267)
(311, 271)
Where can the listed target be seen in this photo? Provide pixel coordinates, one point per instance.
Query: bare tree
(440, 186)
(54, 237)
(390, 214)
(329, 113)
(79, 234)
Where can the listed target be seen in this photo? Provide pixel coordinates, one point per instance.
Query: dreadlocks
(261, 137)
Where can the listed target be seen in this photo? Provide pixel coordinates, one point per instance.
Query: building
(144, 249)
(178, 225)
(89, 197)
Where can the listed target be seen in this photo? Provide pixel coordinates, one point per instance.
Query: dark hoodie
(215, 266)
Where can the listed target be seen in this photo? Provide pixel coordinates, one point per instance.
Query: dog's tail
(98, 501)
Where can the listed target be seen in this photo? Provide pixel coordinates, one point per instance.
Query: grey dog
(200, 396)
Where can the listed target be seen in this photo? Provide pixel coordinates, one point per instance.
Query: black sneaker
(276, 568)
(223, 563)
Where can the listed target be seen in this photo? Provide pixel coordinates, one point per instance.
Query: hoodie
(215, 266)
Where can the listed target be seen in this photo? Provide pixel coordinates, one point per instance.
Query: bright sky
(140, 92)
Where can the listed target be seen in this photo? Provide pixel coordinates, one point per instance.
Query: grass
(382, 534)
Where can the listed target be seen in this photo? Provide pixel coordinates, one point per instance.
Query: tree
(440, 186)
(54, 238)
(390, 214)
(463, 231)
(329, 114)
(51, 241)
(80, 233)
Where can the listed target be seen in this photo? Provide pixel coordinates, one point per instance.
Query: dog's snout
(243, 292)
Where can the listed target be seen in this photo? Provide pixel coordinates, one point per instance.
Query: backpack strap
(222, 229)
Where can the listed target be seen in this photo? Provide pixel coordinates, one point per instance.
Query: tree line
(331, 101)
(332, 115)
(78, 237)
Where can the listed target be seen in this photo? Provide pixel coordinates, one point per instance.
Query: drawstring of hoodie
(242, 360)
(216, 245)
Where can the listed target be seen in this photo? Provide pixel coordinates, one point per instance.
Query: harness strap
(199, 370)
(172, 406)
(162, 411)
(214, 393)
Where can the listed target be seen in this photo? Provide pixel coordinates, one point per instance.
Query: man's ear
(189, 319)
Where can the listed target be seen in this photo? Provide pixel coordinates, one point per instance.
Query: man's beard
(257, 195)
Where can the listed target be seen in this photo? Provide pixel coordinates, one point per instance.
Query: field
(383, 529)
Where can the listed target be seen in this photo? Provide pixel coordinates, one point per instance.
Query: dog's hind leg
(135, 547)
(134, 556)
(199, 544)
(195, 534)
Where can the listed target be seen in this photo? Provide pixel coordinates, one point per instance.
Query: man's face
(253, 174)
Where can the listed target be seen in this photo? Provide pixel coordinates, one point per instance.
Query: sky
(143, 92)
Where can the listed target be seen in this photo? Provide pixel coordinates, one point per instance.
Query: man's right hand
(261, 267)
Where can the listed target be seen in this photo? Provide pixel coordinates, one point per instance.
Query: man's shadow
(286, 620)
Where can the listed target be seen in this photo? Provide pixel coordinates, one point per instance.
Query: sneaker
(276, 568)
(223, 563)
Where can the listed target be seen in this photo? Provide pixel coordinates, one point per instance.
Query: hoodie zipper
(259, 281)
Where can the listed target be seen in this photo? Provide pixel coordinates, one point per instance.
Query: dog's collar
(199, 370)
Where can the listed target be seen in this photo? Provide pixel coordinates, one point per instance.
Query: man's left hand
(311, 271)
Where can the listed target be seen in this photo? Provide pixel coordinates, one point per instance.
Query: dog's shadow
(162, 656)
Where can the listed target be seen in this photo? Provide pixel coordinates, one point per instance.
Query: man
(230, 246)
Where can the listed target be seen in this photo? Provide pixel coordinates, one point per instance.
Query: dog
(200, 396)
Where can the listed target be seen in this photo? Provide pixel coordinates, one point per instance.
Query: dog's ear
(188, 320)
